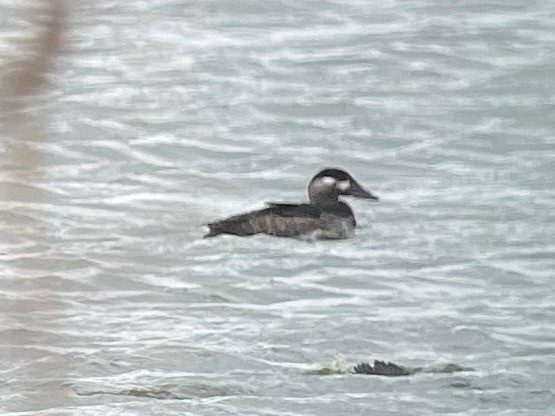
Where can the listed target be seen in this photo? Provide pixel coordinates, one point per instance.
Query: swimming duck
(325, 216)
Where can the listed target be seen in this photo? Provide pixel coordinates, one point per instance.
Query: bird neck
(323, 198)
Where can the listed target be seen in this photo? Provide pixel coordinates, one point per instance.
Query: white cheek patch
(344, 185)
(328, 180)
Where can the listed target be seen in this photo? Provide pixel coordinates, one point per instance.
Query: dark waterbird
(325, 216)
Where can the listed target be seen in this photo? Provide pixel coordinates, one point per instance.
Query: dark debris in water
(460, 383)
(381, 368)
(338, 366)
(153, 393)
(386, 369)
(327, 371)
(170, 392)
(449, 368)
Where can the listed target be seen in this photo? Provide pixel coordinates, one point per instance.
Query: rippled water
(157, 117)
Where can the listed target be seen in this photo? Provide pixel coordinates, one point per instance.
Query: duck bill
(356, 190)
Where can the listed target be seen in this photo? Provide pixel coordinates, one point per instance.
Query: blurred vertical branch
(24, 78)
(22, 81)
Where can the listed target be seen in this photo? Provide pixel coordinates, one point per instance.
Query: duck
(325, 216)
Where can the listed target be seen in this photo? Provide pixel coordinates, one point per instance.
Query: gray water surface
(156, 117)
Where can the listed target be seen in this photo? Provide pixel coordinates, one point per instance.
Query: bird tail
(213, 230)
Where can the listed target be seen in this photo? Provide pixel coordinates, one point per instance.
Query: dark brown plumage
(324, 217)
